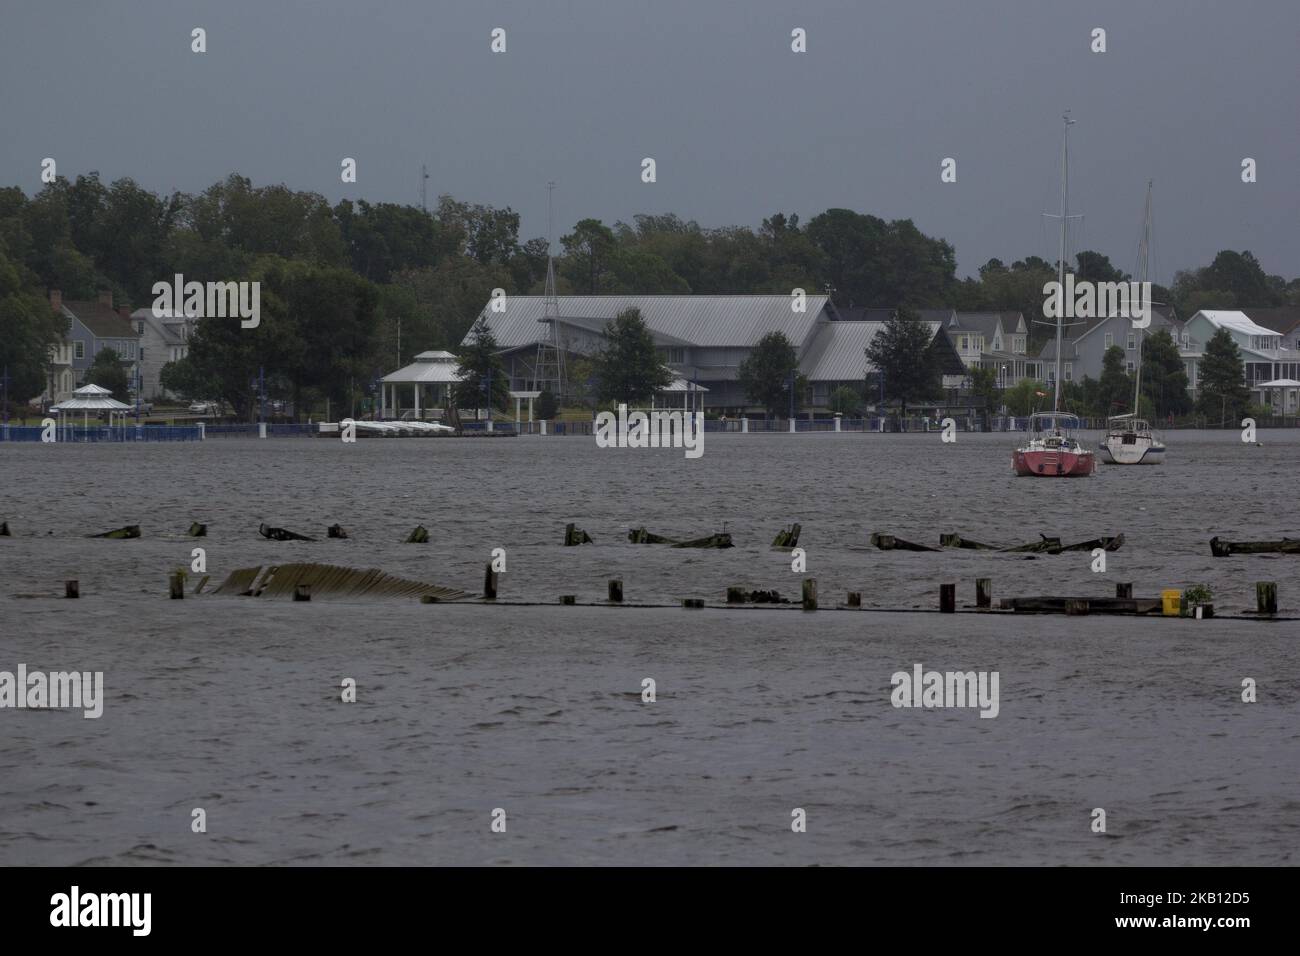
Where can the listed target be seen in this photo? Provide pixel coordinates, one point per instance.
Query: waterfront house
(1265, 357)
(93, 326)
(1084, 345)
(61, 379)
(1285, 321)
(164, 338)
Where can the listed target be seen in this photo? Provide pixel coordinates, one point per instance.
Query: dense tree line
(353, 289)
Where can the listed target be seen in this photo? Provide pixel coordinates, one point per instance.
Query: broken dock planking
(1052, 604)
(957, 541)
(890, 542)
(1222, 549)
(717, 540)
(1045, 545)
(787, 537)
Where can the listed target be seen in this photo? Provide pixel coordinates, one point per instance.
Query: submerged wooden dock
(329, 581)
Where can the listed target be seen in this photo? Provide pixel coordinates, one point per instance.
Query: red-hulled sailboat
(1052, 450)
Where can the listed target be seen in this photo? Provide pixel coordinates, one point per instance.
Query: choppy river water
(233, 704)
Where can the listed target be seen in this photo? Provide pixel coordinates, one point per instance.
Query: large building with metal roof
(703, 338)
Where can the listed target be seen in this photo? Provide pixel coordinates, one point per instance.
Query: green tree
(107, 370)
(902, 351)
(28, 327)
(984, 389)
(1025, 397)
(589, 253)
(1115, 390)
(765, 372)
(1223, 394)
(867, 260)
(628, 368)
(1095, 267)
(847, 401)
(183, 379)
(479, 369)
(1164, 377)
(547, 405)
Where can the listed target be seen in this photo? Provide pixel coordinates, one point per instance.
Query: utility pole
(424, 181)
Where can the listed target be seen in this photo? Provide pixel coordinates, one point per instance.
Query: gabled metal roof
(710, 321)
(838, 352)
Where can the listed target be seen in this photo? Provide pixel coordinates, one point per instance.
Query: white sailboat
(1130, 439)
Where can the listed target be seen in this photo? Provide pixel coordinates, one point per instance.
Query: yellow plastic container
(1173, 603)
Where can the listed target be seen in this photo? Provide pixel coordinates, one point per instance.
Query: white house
(1263, 354)
(163, 338)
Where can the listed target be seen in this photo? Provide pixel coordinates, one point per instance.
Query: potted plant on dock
(1198, 601)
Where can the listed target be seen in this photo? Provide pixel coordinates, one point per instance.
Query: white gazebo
(430, 377)
(91, 398)
(692, 394)
(1288, 394)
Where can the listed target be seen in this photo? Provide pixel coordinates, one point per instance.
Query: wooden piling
(855, 599)
(302, 592)
(735, 595)
(4, 529)
(787, 537)
(197, 530)
(176, 585)
(336, 531)
(810, 594)
(489, 582)
(568, 599)
(984, 592)
(72, 589)
(616, 590)
(1266, 597)
(947, 598)
(573, 536)
(1124, 590)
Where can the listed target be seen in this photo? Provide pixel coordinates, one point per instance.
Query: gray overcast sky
(740, 127)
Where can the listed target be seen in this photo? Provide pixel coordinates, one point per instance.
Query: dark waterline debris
(1222, 549)
(281, 534)
(129, 531)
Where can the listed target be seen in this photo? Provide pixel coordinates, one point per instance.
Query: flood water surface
(233, 705)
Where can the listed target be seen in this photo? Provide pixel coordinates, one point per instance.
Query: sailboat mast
(1144, 252)
(1060, 263)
